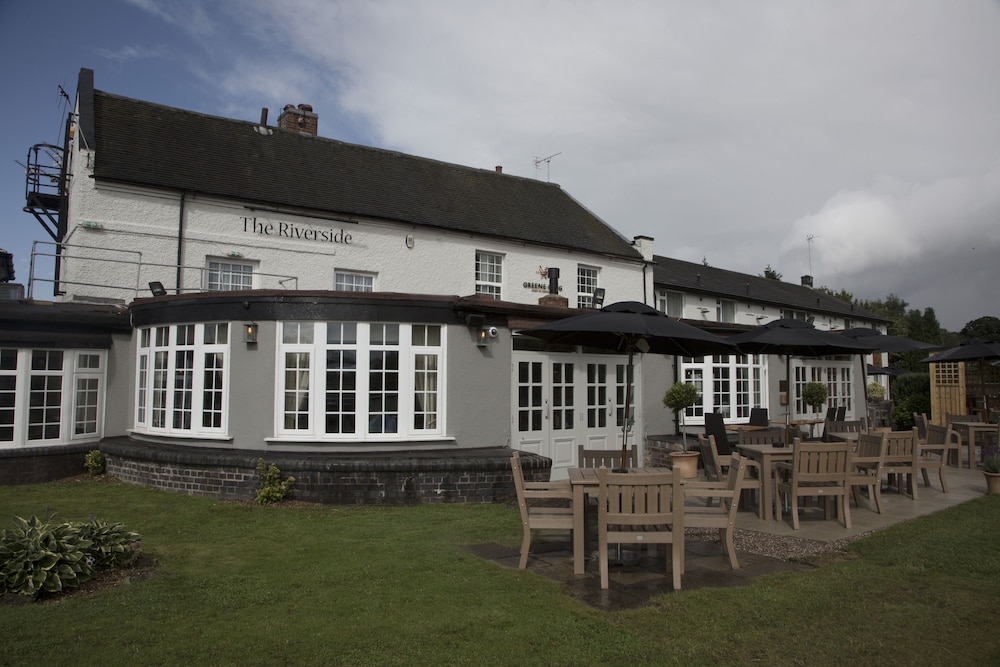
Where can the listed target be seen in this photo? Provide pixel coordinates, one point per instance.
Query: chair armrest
(783, 465)
(548, 490)
(707, 490)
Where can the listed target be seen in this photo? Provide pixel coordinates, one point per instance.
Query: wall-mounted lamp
(703, 310)
(485, 334)
(250, 332)
(156, 287)
(409, 241)
(761, 317)
(598, 298)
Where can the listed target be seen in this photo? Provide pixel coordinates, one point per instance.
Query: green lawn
(282, 585)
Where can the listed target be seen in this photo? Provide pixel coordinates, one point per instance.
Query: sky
(851, 140)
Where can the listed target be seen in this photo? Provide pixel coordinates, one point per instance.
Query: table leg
(579, 501)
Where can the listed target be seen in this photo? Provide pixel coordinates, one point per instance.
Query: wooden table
(586, 481)
(969, 432)
(765, 455)
(799, 422)
(736, 428)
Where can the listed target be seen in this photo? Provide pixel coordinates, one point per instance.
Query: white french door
(562, 401)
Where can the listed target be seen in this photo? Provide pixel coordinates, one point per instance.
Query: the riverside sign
(290, 230)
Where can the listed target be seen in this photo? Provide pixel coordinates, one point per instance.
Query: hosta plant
(39, 557)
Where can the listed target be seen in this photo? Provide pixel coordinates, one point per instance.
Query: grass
(334, 585)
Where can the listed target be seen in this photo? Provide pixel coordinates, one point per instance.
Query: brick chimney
(301, 119)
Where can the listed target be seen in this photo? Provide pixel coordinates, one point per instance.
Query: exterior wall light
(156, 287)
(250, 333)
(597, 300)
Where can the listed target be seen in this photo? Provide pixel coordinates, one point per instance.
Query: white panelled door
(562, 401)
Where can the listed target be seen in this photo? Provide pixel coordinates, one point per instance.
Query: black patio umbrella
(630, 327)
(884, 343)
(891, 371)
(973, 349)
(788, 338)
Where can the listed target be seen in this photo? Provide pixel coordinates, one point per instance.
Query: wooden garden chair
(723, 517)
(543, 506)
(817, 469)
(866, 468)
(641, 508)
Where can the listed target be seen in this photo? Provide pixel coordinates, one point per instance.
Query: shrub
(271, 488)
(48, 557)
(991, 459)
(876, 391)
(902, 412)
(94, 462)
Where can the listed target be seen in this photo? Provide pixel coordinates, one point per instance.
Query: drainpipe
(180, 243)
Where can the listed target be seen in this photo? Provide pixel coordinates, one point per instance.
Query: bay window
(182, 379)
(359, 380)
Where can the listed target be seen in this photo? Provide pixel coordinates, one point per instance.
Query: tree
(843, 294)
(771, 274)
(987, 328)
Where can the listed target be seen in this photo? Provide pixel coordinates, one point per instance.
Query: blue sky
(728, 131)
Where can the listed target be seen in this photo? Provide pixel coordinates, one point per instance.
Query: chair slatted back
(820, 462)
(870, 446)
(607, 458)
(765, 437)
(841, 413)
(635, 506)
(900, 449)
(831, 427)
(709, 458)
(920, 421)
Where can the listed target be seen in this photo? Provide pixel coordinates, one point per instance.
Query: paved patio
(633, 585)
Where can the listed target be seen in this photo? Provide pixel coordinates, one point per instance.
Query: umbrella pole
(628, 403)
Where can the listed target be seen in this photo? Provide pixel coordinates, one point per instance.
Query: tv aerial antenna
(809, 242)
(546, 160)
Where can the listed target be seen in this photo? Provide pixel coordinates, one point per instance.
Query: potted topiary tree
(814, 394)
(679, 398)
(991, 470)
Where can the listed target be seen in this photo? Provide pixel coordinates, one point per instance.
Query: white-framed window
(353, 281)
(736, 384)
(227, 275)
(51, 396)
(671, 303)
(182, 373)
(834, 372)
(725, 310)
(489, 273)
(358, 380)
(586, 283)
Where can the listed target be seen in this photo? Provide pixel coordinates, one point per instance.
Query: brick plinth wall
(35, 465)
(658, 448)
(376, 478)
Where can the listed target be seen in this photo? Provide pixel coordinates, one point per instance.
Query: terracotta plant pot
(992, 483)
(687, 462)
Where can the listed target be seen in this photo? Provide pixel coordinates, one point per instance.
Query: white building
(251, 290)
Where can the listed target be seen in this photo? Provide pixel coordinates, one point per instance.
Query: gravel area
(782, 547)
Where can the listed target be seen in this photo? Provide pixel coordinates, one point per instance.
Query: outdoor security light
(156, 287)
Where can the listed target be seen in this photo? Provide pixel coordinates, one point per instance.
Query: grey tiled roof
(700, 279)
(149, 144)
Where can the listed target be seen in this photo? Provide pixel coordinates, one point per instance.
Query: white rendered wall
(128, 224)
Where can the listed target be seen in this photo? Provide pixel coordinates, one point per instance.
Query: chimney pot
(807, 281)
(499, 168)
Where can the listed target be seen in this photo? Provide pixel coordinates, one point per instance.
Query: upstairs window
(725, 311)
(349, 281)
(489, 273)
(227, 276)
(586, 283)
(671, 303)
